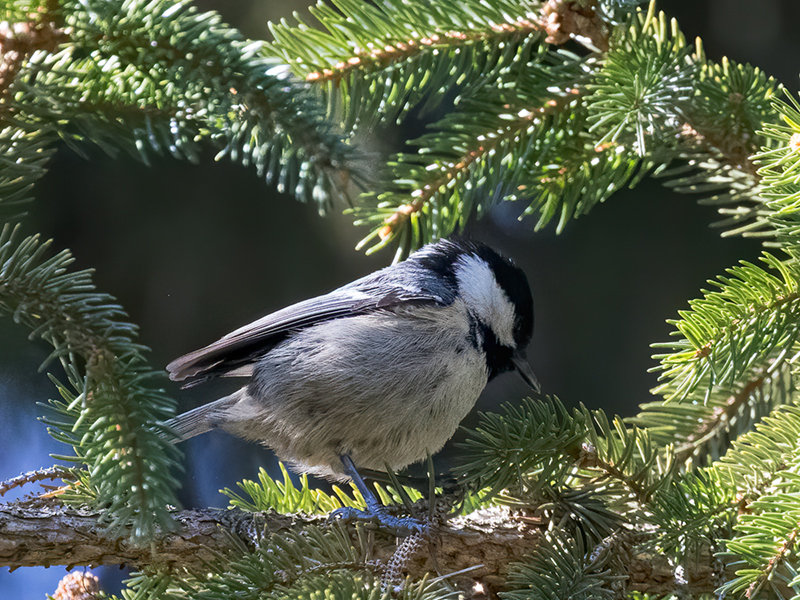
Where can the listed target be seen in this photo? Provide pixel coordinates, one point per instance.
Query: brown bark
(45, 533)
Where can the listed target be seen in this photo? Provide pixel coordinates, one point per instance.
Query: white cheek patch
(485, 298)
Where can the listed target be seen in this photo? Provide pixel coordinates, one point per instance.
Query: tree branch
(442, 173)
(34, 532)
(20, 40)
(719, 420)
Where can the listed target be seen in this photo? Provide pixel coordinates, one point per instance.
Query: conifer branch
(21, 39)
(32, 148)
(751, 304)
(439, 181)
(783, 552)
(591, 459)
(363, 38)
(778, 164)
(693, 512)
(374, 62)
(167, 78)
(35, 533)
(733, 364)
(723, 129)
(536, 128)
(767, 541)
(562, 21)
(719, 419)
(34, 476)
(697, 432)
(540, 453)
(80, 322)
(380, 58)
(730, 148)
(752, 490)
(129, 456)
(756, 459)
(732, 103)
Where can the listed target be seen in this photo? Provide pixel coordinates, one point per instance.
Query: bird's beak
(520, 362)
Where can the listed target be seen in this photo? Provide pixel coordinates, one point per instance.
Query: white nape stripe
(485, 298)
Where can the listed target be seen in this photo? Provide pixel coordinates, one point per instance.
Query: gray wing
(235, 353)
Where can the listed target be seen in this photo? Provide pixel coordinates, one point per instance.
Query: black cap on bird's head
(497, 296)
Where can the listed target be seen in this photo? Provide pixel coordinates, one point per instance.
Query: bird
(375, 374)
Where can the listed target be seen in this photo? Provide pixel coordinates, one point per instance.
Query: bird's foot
(401, 526)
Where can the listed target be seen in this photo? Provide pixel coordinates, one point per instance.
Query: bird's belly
(418, 427)
(318, 398)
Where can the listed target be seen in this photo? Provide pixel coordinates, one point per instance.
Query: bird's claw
(402, 526)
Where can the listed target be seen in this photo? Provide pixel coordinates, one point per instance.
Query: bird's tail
(201, 419)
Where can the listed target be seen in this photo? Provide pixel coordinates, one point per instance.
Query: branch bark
(37, 533)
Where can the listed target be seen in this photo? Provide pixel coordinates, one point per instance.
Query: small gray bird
(377, 372)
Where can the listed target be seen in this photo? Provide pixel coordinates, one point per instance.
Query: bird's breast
(385, 388)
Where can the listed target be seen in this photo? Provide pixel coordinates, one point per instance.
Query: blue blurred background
(193, 251)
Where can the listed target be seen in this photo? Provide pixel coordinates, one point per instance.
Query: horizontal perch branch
(36, 533)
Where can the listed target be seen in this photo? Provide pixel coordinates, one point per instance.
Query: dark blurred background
(193, 251)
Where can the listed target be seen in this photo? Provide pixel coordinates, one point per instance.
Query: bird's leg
(375, 510)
